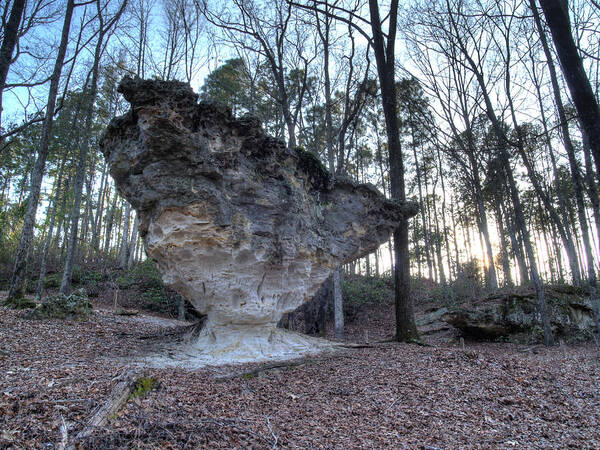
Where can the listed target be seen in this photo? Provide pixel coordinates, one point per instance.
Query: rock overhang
(241, 225)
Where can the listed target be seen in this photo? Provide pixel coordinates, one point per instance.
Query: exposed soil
(388, 396)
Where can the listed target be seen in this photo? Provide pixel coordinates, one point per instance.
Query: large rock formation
(514, 315)
(243, 227)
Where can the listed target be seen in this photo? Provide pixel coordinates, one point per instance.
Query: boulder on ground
(514, 315)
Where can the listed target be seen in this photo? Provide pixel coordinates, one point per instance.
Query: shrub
(52, 281)
(145, 279)
(144, 275)
(92, 281)
(20, 303)
(361, 291)
(75, 306)
(143, 386)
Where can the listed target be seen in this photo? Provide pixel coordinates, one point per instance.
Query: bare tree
(17, 284)
(104, 28)
(276, 34)
(9, 41)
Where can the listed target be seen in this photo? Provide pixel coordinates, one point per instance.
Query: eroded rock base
(237, 344)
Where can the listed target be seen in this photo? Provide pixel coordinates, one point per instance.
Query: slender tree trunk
(520, 218)
(125, 234)
(338, 309)
(438, 246)
(491, 278)
(109, 224)
(65, 284)
(422, 213)
(573, 164)
(445, 228)
(132, 243)
(52, 220)
(335, 285)
(88, 215)
(406, 329)
(592, 187)
(504, 254)
(100, 211)
(516, 246)
(454, 238)
(17, 281)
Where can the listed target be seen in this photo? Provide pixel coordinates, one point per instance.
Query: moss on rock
(318, 175)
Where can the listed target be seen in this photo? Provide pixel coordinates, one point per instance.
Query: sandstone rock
(514, 315)
(243, 227)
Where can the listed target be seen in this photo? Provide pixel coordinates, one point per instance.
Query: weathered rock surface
(242, 226)
(514, 315)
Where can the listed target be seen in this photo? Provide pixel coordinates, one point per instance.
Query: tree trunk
(100, 210)
(125, 234)
(109, 225)
(65, 284)
(504, 254)
(491, 277)
(406, 329)
(132, 243)
(592, 187)
(520, 218)
(582, 94)
(422, 210)
(52, 220)
(573, 165)
(17, 281)
(338, 306)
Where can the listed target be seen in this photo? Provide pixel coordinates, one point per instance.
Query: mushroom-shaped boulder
(243, 227)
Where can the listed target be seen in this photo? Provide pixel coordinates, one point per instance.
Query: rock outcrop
(242, 226)
(514, 315)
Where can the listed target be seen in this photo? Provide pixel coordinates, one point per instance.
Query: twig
(275, 437)
(393, 403)
(352, 345)
(64, 432)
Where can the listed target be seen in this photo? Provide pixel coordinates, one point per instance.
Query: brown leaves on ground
(393, 395)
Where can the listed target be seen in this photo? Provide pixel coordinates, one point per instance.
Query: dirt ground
(388, 396)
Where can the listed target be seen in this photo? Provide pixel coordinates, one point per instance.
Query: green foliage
(143, 386)
(20, 303)
(145, 278)
(75, 306)
(365, 290)
(92, 280)
(52, 281)
(228, 85)
(144, 275)
(311, 164)
(360, 291)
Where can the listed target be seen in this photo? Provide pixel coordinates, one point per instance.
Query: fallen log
(126, 312)
(125, 386)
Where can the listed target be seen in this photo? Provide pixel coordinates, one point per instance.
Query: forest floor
(493, 395)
